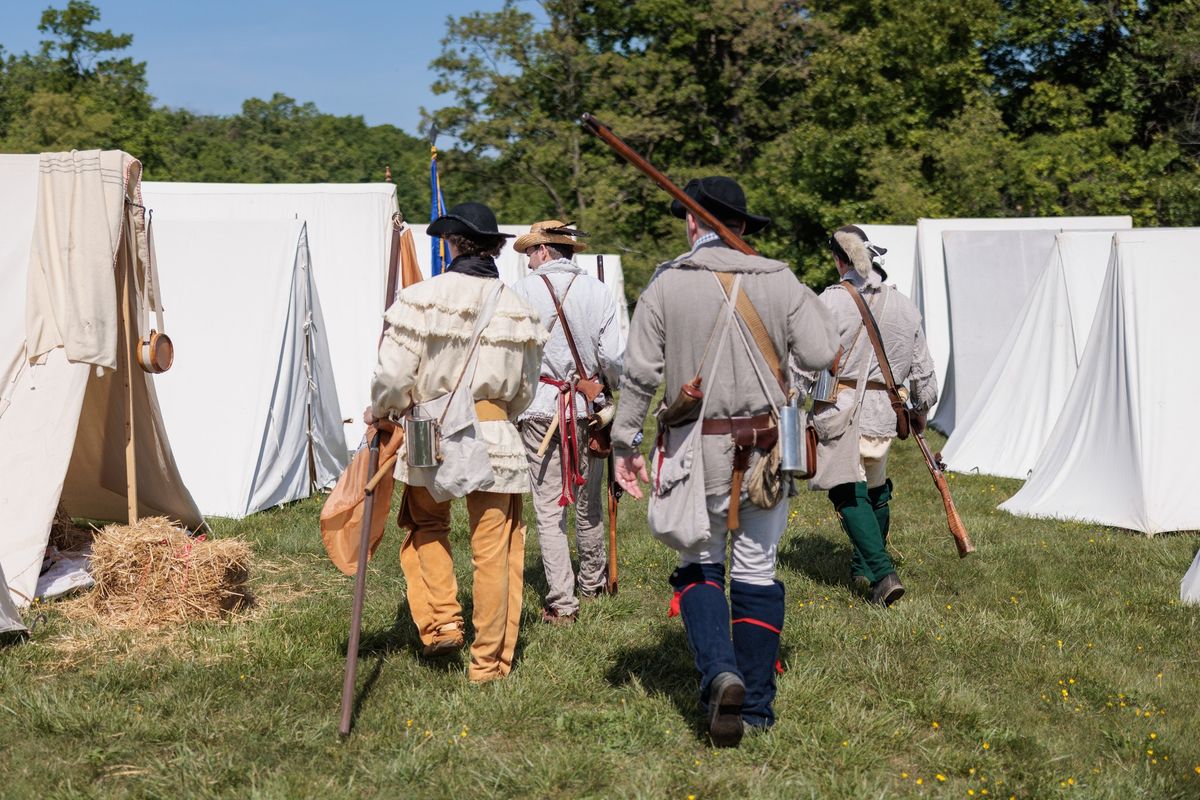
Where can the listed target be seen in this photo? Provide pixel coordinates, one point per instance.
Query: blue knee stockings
(757, 624)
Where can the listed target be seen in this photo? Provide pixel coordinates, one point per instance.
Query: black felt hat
(723, 198)
(467, 219)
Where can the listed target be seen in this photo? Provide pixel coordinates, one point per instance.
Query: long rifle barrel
(605, 134)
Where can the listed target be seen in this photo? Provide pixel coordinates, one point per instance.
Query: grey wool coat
(672, 323)
(861, 412)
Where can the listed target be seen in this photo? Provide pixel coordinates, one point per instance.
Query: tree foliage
(832, 111)
(827, 111)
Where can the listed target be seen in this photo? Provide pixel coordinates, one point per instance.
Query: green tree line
(827, 111)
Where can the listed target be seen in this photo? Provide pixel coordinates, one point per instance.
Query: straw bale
(66, 535)
(153, 573)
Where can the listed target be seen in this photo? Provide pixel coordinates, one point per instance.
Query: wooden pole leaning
(132, 340)
(360, 589)
(375, 473)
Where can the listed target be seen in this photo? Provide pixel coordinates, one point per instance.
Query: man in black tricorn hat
(433, 328)
(682, 334)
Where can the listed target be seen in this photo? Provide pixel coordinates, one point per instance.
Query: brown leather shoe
(449, 640)
(725, 697)
(888, 590)
(554, 617)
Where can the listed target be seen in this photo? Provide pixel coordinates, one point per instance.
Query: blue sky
(364, 57)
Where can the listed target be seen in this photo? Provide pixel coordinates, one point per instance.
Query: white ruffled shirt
(424, 350)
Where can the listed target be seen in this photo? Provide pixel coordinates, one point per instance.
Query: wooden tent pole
(131, 341)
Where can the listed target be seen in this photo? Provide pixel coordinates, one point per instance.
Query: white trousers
(754, 544)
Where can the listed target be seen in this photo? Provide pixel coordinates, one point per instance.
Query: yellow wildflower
(935, 725)
(986, 746)
(941, 777)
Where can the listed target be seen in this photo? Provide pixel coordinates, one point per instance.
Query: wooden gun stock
(957, 529)
(605, 134)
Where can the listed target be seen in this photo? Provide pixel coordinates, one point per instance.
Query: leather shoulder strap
(749, 314)
(876, 338)
(562, 318)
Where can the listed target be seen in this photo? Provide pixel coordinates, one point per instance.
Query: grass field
(1056, 661)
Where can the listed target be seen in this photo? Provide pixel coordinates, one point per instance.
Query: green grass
(964, 678)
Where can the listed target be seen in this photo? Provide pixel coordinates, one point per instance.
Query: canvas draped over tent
(10, 618)
(1121, 453)
(988, 278)
(349, 239)
(251, 401)
(62, 423)
(929, 276)
(1019, 401)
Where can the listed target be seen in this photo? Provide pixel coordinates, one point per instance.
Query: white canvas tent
(1120, 453)
(988, 278)
(349, 238)
(1019, 401)
(66, 220)
(1189, 587)
(901, 244)
(929, 274)
(10, 618)
(514, 266)
(251, 401)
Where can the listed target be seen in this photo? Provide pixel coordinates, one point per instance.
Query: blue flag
(440, 251)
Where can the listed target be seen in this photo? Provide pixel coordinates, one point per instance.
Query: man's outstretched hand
(631, 470)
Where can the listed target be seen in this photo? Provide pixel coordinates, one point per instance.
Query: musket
(961, 540)
(698, 211)
(938, 470)
(690, 394)
(614, 488)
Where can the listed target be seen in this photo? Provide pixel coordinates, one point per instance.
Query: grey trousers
(545, 477)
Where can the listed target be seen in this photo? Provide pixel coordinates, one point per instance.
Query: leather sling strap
(562, 317)
(749, 314)
(873, 334)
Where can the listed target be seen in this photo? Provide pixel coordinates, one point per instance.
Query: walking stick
(360, 588)
(375, 473)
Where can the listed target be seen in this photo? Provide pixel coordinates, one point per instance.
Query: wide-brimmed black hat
(467, 219)
(723, 198)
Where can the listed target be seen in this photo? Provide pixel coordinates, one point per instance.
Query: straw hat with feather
(551, 231)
